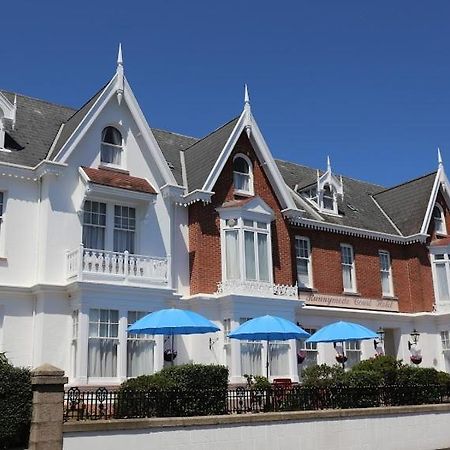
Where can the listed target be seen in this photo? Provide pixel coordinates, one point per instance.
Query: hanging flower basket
(169, 355)
(416, 359)
(301, 355)
(341, 358)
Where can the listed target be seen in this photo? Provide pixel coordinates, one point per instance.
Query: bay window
(348, 268)
(303, 257)
(140, 349)
(103, 341)
(247, 250)
(386, 274)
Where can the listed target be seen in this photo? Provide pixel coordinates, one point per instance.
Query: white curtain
(232, 255)
(241, 181)
(94, 237)
(347, 278)
(139, 357)
(385, 283)
(442, 282)
(279, 358)
(102, 357)
(123, 240)
(302, 272)
(250, 267)
(263, 257)
(251, 358)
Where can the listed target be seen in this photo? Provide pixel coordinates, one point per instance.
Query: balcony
(257, 289)
(86, 264)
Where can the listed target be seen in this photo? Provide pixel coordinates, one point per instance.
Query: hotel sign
(344, 301)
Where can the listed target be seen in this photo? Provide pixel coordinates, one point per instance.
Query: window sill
(113, 168)
(352, 293)
(389, 297)
(441, 234)
(243, 193)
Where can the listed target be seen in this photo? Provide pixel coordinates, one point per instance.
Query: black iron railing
(112, 404)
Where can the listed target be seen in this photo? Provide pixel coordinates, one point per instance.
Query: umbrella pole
(172, 352)
(267, 360)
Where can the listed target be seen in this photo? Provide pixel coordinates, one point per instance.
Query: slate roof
(407, 203)
(201, 156)
(119, 180)
(171, 145)
(37, 124)
(357, 209)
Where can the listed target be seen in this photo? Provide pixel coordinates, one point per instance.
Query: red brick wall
(204, 228)
(410, 268)
(410, 264)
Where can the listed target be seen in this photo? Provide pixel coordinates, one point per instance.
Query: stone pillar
(48, 407)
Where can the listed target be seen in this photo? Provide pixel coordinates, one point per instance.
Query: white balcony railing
(90, 264)
(257, 288)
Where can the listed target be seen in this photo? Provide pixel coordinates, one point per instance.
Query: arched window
(328, 198)
(439, 220)
(111, 148)
(242, 175)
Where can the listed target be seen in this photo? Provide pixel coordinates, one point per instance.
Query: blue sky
(366, 82)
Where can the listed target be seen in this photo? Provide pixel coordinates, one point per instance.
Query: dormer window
(242, 175)
(328, 201)
(439, 220)
(111, 147)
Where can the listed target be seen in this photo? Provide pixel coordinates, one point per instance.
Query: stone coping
(247, 419)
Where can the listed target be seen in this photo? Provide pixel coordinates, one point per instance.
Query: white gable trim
(255, 209)
(440, 180)
(136, 113)
(247, 121)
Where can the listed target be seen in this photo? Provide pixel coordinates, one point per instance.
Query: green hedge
(186, 390)
(15, 405)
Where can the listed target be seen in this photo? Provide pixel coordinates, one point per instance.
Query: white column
(82, 345)
(293, 368)
(122, 347)
(158, 353)
(235, 369)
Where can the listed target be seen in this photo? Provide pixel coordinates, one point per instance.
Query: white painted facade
(48, 286)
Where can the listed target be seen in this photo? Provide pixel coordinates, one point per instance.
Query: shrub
(186, 390)
(15, 405)
(386, 366)
(323, 375)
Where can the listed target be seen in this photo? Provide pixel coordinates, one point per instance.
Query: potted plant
(169, 355)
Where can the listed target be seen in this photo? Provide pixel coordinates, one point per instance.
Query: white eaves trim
(359, 232)
(246, 121)
(441, 179)
(108, 92)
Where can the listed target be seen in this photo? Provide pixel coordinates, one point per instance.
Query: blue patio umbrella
(342, 332)
(268, 328)
(171, 322)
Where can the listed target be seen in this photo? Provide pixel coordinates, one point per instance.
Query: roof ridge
(212, 132)
(338, 174)
(38, 99)
(175, 133)
(407, 182)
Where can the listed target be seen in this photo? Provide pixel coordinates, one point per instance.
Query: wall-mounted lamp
(212, 341)
(414, 338)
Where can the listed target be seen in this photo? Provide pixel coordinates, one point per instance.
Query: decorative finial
(328, 164)
(440, 162)
(248, 126)
(120, 83)
(119, 56)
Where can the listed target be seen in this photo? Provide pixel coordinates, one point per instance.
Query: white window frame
(91, 225)
(241, 228)
(131, 227)
(118, 148)
(353, 289)
(334, 209)
(250, 175)
(385, 253)
(443, 228)
(435, 253)
(445, 340)
(309, 347)
(353, 348)
(303, 258)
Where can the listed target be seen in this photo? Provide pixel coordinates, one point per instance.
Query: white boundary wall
(409, 428)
